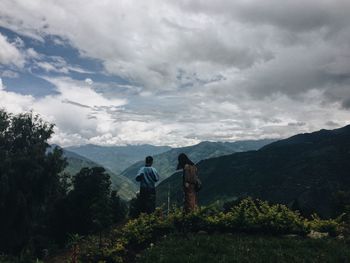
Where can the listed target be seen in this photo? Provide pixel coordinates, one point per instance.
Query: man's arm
(139, 175)
(156, 175)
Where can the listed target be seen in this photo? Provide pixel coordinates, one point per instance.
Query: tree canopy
(29, 178)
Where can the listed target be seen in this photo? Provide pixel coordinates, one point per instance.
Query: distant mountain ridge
(166, 162)
(117, 158)
(304, 171)
(126, 189)
(309, 138)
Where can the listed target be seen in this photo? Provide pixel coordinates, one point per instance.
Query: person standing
(191, 182)
(147, 176)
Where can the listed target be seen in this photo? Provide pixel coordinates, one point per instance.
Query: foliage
(244, 248)
(135, 206)
(331, 226)
(90, 206)
(39, 206)
(341, 204)
(248, 216)
(30, 182)
(260, 217)
(119, 207)
(147, 228)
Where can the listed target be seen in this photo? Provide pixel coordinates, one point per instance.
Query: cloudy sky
(176, 72)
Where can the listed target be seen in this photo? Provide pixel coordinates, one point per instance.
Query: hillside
(244, 248)
(166, 162)
(117, 158)
(304, 171)
(250, 231)
(125, 188)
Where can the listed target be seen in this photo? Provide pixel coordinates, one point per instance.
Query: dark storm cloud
(308, 46)
(298, 15)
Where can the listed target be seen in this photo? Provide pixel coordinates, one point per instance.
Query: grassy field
(242, 248)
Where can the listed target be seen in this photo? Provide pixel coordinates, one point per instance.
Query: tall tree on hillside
(119, 207)
(89, 207)
(90, 201)
(29, 178)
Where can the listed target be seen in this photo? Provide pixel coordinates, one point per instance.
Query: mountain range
(125, 188)
(304, 171)
(117, 158)
(166, 162)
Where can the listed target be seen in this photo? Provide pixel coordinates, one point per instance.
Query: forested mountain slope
(166, 162)
(117, 158)
(304, 171)
(126, 189)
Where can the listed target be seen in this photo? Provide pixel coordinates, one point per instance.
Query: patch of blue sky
(79, 67)
(90, 67)
(29, 84)
(56, 46)
(9, 33)
(70, 54)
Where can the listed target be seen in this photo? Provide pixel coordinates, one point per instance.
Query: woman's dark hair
(183, 160)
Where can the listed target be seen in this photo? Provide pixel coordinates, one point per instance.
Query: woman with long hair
(190, 182)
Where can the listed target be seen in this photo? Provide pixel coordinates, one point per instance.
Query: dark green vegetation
(89, 207)
(125, 188)
(249, 216)
(117, 158)
(29, 180)
(305, 172)
(38, 206)
(165, 163)
(245, 248)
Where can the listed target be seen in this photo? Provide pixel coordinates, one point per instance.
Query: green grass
(243, 248)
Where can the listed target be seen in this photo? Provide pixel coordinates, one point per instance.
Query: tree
(29, 178)
(90, 201)
(341, 204)
(90, 206)
(119, 207)
(135, 206)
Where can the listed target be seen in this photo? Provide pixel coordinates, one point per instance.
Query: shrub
(331, 226)
(139, 232)
(256, 216)
(249, 216)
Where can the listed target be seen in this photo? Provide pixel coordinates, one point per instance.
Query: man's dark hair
(149, 160)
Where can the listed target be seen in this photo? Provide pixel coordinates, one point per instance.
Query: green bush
(258, 216)
(331, 226)
(248, 216)
(146, 228)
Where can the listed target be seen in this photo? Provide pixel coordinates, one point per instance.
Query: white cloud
(83, 116)
(14, 102)
(89, 81)
(65, 108)
(82, 93)
(150, 43)
(199, 70)
(9, 54)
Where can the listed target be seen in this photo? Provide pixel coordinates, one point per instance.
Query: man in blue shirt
(147, 176)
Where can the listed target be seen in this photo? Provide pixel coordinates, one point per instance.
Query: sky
(176, 72)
